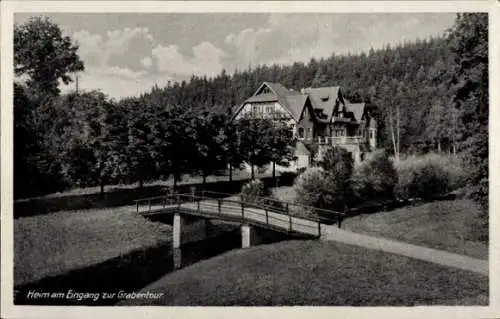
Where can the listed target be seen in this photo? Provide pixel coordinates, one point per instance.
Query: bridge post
(177, 231)
(137, 206)
(246, 233)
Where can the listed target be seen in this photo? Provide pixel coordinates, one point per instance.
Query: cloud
(118, 82)
(206, 59)
(116, 62)
(147, 62)
(119, 47)
(125, 62)
(250, 44)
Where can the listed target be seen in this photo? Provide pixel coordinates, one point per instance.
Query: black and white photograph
(248, 158)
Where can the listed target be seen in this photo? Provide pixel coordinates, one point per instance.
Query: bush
(428, 176)
(338, 163)
(317, 188)
(375, 178)
(254, 191)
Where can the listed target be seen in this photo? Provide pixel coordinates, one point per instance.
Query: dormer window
(264, 90)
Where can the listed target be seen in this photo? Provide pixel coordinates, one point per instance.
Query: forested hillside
(429, 95)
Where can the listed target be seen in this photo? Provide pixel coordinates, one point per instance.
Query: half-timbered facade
(319, 118)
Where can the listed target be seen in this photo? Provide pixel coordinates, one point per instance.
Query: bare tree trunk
(274, 169)
(391, 125)
(204, 179)
(454, 132)
(141, 183)
(230, 172)
(253, 173)
(398, 130)
(439, 145)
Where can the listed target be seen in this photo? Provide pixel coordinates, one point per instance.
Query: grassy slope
(317, 273)
(442, 225)
(55, 243)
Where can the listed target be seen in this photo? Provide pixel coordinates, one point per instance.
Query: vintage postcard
(295, 159)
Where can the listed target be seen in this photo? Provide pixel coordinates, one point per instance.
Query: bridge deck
(232, 210)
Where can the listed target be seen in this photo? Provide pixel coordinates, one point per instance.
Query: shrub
(338, 163)
(253, 192)
(428, 176)
(315, 187)
(375, 178)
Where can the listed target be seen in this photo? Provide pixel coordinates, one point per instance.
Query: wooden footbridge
(292, 219)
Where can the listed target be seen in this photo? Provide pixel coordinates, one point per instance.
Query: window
(339, 132)
(371, 134)
(269, 109)
(301, 132)
(254, 108)
(309, 132)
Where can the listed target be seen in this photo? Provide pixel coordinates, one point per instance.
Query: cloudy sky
(126, 54)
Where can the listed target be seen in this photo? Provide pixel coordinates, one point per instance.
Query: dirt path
(414, 251)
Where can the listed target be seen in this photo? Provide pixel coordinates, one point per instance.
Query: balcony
(337, 140)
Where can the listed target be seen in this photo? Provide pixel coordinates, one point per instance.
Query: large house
(319, 117)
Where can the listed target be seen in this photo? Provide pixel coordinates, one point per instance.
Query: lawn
(316, 273)
(53, 244)
(446, 225)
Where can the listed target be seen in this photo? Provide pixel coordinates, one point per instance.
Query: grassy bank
(53, 244)
(316, 273)
(447, 225)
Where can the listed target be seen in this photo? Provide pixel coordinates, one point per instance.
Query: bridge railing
(271, 216)
(286, 207)
(271, 212)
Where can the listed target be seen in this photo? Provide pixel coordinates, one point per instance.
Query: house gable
(292, 102)
(326, 101)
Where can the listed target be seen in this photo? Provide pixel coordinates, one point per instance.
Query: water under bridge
(255, 215)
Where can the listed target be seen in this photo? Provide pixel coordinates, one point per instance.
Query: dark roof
(324, 98)
(295, 104)
(357, 109)
(266, 97)
(279, 89)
